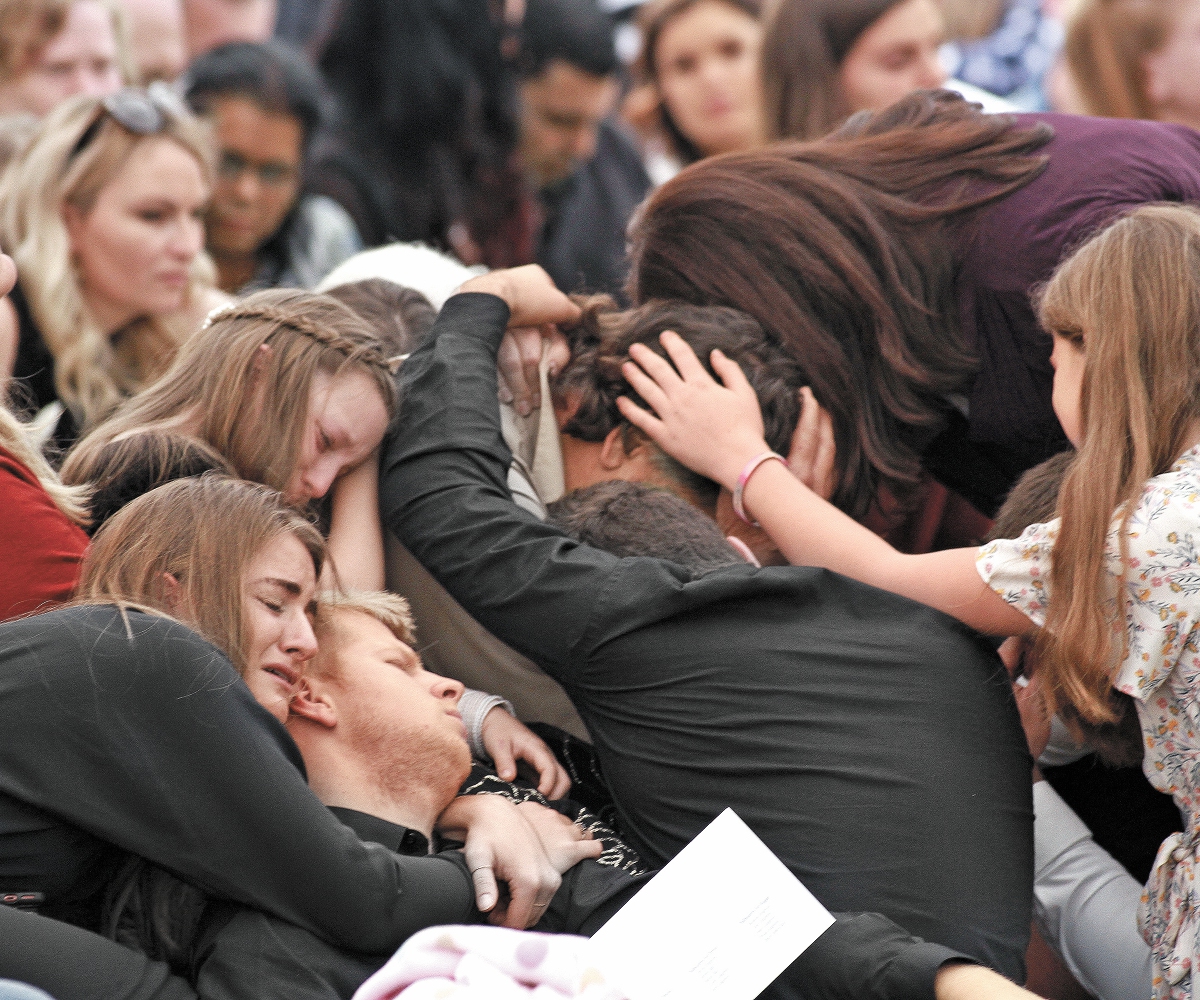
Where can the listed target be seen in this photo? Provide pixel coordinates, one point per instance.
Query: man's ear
(311, 701)
(612, 450)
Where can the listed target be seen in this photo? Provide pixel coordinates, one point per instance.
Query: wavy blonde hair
(93, 370)
(223, 373)
(1130, 297)
(71, 500)
(1106, 45)
(204, 532)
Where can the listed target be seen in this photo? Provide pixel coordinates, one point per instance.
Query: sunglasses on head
(142, 112)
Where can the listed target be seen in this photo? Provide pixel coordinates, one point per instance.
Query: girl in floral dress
(1109, 590)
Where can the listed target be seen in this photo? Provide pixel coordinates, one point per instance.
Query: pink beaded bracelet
(744, 478)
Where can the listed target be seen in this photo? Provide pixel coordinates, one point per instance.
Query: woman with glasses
(102, 214)
(265, 104)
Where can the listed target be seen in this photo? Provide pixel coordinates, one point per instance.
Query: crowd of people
(452, 450)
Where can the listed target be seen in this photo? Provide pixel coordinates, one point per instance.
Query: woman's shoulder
(110, 641)
(1141, 158)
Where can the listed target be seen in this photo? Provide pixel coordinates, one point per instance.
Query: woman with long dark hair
(422, 148)
(896, 259)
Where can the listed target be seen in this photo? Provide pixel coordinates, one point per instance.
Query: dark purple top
(1099, 168)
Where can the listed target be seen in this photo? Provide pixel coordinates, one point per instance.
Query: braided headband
(358, 352)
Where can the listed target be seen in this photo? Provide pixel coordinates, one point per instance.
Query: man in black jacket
(587, 171)
(870, 742)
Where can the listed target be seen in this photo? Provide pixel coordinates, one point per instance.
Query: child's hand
(507, 740)
(712, 428)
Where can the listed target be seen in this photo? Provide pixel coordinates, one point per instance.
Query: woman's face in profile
(345, 423)
(135, 246)
(896, 55)
(707, 65)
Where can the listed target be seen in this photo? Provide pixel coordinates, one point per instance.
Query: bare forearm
(811, 532)
(355, 532)
(974, 982)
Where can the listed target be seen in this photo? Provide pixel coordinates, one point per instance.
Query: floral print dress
(1161, 672)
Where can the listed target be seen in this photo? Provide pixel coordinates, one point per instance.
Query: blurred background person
(209, 23)
(700, 63)
(1137, 58)
(156, 38)
(300, 21)
(824, 60)
(575, 154)
(265, 102)
(54, 49)
(423, 141)
(1006, 48)
(102, 213)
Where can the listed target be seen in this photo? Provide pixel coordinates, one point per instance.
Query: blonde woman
(296, 392)
(1136, 58)
(101, 213)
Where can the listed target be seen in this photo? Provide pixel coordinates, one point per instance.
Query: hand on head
(535, 307)
(712, 428)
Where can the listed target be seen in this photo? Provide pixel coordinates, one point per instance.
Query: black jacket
(871, 742)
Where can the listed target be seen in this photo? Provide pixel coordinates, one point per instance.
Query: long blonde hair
(204, 532)
(222, 374)
(93, 371)
(1130, 297)
(1106, 45)
(71, 500)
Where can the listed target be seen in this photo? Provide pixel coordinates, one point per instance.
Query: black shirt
(871, 742)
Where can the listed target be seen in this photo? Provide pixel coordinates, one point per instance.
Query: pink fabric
(489, 963)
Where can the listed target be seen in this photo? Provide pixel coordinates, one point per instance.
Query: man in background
(587, 171)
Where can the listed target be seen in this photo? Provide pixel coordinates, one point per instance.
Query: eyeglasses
(269, 174)
(142, 112)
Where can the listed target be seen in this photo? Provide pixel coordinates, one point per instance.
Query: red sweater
(40, 548)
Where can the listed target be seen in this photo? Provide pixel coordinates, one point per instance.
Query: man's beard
(427, 760)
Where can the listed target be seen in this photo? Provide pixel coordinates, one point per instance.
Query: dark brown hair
(837, 247)
(803, 48)
(653, 18)
(600, 343)
(401, 317)
(633, 519)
